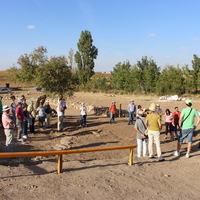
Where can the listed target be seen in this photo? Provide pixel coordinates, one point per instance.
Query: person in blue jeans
(83, 114)
(131, 112)
(25, 122)
(188, 125)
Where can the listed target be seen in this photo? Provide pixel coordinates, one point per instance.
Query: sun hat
(5, 108)
(31, 101)
(47, 101)
(152, 107)
(113, 101)
(132, 100)
(157, 104)
(188, 102)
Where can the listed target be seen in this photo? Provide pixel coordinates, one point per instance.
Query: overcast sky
(166, 30)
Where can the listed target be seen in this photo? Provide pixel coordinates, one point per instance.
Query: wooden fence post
(120, 109)
(131, 157)
(59, 164)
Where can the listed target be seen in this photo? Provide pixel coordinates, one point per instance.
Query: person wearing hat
(83, 115)
(1, 107)
(48, 110)
(32, 115)
(142, 139)
(8, 125)
(187, 121)
(159, 111)
(153, 123)
(112, 110)
(131, 112)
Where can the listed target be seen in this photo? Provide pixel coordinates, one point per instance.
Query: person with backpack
(187, 121)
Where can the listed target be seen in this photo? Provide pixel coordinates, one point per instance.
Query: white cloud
(31, 27)
(167, 56)
(196, 39)
(152, 35)
(183, 48)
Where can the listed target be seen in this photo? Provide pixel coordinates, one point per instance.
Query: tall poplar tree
(195, 72)
(85, 56)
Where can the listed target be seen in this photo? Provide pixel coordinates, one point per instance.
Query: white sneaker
(187, 155)
(176, 153)
(20, 140)
(24, 137)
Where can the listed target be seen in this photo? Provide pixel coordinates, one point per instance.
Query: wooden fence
(60, 153)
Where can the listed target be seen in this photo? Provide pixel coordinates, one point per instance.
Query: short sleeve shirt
(140, 125)
(41, 111)
(153, 122)
(189, 122)
(168, 118)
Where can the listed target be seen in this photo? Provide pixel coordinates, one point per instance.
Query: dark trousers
(168, 126)
(31, 125)
(83, 119)
(25, 127)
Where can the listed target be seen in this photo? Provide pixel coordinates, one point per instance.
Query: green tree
(120, 75)
(171, 81)
(85, 56)
(29, 65)
(56, 77)
(99, 82)
(148, 74)
(14, 74)
(195, 72)
(54, 74)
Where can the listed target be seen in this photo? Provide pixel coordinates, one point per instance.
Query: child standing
(83, 114)
(41, 115)
(112, 110)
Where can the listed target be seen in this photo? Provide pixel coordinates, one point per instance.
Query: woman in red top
(112, 111)
(175, 122)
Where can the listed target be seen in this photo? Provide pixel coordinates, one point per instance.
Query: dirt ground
(98, 175)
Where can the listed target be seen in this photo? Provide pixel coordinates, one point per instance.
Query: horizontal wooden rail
(60, 153)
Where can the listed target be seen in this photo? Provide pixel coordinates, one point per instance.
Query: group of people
(148, 124)
(19, 114)
(150, 120)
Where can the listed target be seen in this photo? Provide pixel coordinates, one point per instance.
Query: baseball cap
(188, 101)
